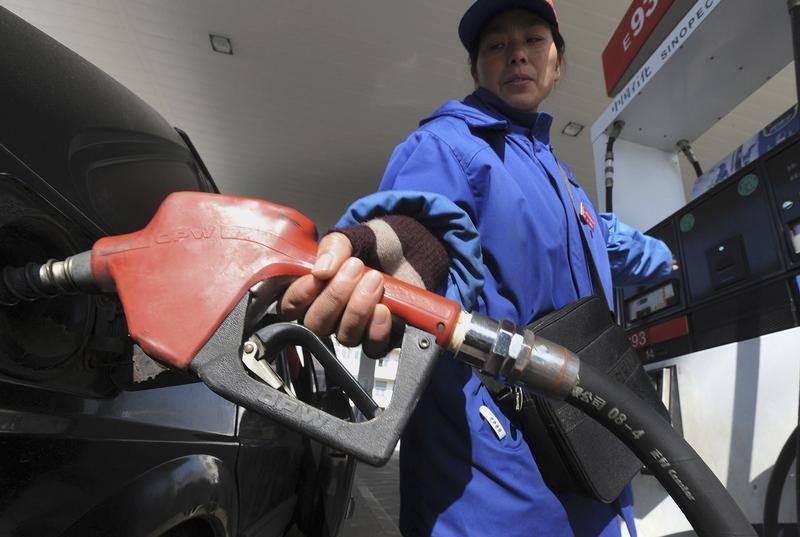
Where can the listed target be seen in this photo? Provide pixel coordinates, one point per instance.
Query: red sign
(658, 333)
(638, 23)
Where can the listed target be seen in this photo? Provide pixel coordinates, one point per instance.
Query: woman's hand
(341, 297)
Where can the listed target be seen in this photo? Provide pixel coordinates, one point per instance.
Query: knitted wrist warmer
(401, 247)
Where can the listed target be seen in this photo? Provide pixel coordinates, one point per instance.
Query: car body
(95, 437)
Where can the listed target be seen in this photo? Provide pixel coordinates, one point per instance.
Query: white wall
(648, 185)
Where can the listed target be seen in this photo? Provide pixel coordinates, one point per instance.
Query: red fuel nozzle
(180, 276)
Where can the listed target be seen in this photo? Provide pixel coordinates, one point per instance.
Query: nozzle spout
(50, 279)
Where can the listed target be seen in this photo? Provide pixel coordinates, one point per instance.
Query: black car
(96, 438)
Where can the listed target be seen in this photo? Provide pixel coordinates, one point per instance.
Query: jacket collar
(479, 110)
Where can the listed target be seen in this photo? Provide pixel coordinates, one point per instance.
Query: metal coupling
(48, 280)
(518, 356)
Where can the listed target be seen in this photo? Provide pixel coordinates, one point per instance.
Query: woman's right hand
(341, 297)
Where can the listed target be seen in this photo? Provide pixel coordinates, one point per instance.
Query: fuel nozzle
(515, 355)
(46, 280)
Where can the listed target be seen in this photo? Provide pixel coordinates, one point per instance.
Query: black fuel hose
(772, 499)
(696, 490)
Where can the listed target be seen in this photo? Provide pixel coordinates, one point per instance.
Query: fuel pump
(722, 327)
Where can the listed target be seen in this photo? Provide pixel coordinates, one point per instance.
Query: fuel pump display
(738, 254)
(652, 301)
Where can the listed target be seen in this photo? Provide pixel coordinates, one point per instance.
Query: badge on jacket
(586, 217)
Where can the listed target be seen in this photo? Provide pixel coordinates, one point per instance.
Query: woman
(490, 154)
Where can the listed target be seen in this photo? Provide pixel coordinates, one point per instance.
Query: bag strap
(597, 283)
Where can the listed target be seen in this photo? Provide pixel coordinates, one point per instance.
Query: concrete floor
(377, 495)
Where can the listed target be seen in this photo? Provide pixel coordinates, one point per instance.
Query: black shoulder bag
(575, 453)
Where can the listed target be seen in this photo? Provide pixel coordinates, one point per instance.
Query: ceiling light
(572, 129)
(221, 44)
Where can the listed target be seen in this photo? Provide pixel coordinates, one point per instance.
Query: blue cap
(482, 11)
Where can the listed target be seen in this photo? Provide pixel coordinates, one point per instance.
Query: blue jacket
(517, 255)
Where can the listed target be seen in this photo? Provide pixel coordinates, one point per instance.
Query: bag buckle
(504, 395)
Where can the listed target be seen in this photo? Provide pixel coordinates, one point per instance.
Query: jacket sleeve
(426, 179)
(424, 162)
(635, 258)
